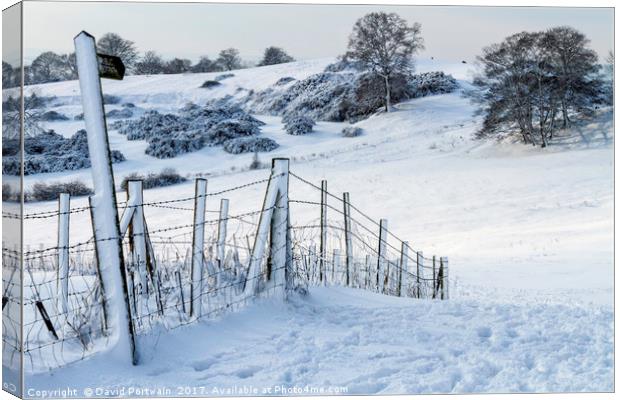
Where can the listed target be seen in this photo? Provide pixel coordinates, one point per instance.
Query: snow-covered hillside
(529, 233)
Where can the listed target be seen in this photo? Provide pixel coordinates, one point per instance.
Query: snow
(528, 231)
(361, 343)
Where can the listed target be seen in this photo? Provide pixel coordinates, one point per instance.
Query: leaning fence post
(347, 235)
(198, 239)
(323, 244)
(443, 266)
(381, 255)
(108, 245)
(403, 271)
(419, 271)
(137, 234)
(62, 287)
(221, 232)
(280, 235)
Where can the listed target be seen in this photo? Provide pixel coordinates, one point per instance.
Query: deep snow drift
(529, 233)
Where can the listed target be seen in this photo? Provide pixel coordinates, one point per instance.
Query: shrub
(111, 99)
(79, 117)
(249, 144)
(53, 116)
(298, 124)
(7, 192)
(166, 177)
(120, 113)
(255, 164)
(284, 80)
(49, 191)
(210, 84)
(352, 131)
(223, 76)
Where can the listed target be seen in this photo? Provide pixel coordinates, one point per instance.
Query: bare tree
(114, 45)
(151, 63)
(275, 55)
(229, 59)
(177, 66)
(205, 65)
(48, 67)
(385, 44)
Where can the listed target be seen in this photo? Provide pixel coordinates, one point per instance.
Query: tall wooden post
(221, 233)
(274, 218)
(137, 233)
(103, 202)
(403, 270)
(446, 277)
(198, 240)
(323, 244)
(381, 254)
(347, 237)
(434, 277)
(62, 286)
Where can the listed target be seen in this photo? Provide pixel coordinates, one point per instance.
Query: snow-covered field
(529, 233)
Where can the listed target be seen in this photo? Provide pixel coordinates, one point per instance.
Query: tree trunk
(388, 100)
(565, 119)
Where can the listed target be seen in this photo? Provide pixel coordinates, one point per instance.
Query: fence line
(213, 266)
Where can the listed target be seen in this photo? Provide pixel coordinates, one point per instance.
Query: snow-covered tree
(114, 45)
(8, 77)
(48, 67)
(205, 64)
(275, 55)
(385, 44)
(150, 64)
(229, 59)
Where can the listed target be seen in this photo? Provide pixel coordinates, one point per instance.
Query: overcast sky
(305, 31)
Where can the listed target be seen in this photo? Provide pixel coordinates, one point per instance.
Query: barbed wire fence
(212, 262)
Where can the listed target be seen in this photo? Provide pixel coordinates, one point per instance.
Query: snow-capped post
(403, 274)
(280, 235)
(347, 235)
(108, 245)
(137, 231)
(419, 269)
(323, 244)
(198, 240)
(274, 218)
(381, 255)
(221, 233)
(62, 286)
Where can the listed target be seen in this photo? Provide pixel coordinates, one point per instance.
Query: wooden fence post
(347, 236)
(323, 243)
(419, 272)
(198, 240)
(137, 233)
(381, 255)
(403, 274)
(221, 232)
(62, 287)
(275, 218)
(104, 213)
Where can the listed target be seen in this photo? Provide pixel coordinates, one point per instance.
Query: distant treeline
(53, 67)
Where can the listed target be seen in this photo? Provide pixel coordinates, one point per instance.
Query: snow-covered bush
(429, 83)
(210, 84)
(249, 144)
(298, 124)
(79, 117)
(166, 177)
(119, 113)
(53, 116)
(284, 80)
(223, 76)
(51, 152)
(111, 99)
(42, 191)
(349, 95)
(193, 128)
(352, 131)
